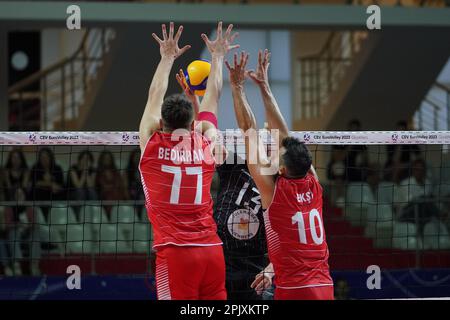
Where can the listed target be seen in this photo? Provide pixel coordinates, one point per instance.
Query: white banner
(230, 136)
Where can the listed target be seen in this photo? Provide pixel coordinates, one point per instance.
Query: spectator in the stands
(20, 228)
(336, 173)
(348, 163)
(16, 185)
(16, 175)
(47, 180)
(132, 178)
(81, 179)
(400, 157)
(4, 256)
(357, 156)
(414, 197)
(418, 184)
(373, 178)
(109, 182)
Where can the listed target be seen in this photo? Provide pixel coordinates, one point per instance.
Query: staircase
(63, 91)
(377, 77)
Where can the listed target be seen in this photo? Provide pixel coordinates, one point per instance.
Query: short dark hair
(297, 157)
(177, 112)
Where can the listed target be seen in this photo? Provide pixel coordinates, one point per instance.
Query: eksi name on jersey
(305, 197)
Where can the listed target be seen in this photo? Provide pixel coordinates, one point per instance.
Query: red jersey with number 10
(296, 236)
(176, 173)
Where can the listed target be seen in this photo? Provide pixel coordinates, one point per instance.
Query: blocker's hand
(260, 76)
(168, 46)
(237, 71)
(181, 79)
(222, 44)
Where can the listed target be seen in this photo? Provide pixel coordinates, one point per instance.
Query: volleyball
(196, 75)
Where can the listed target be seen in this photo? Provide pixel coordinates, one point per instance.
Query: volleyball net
(75, 199)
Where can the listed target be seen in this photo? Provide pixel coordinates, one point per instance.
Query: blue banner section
(407, 283)
(126, 287)
(348, 285)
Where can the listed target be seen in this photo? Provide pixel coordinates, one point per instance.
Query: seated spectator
(336, 173)
(47, 179)
(109, 182)
(347, 163)
(16, 176)
(400, 157)
(19, 227)
(132, 178)
(414, 197)
(417, 185)
(81, 179)
(16, 186)
(357, 157)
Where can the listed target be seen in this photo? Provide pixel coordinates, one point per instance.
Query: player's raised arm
(247, 123)
(169, 52)
(181, 79)
(273, 114)
(210, 102)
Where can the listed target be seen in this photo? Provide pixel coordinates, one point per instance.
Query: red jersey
(176, 173)
(296, 235)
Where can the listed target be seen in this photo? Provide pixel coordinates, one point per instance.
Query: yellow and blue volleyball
(196, 75)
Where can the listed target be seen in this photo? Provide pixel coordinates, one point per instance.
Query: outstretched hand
(223, 43)
(237, 71)
(168, 45)
(181, 79)
(261, 75)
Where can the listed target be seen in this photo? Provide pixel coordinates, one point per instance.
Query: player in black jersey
(239, 217)
(240, 223)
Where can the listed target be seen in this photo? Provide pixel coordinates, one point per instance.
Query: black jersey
(238, 212)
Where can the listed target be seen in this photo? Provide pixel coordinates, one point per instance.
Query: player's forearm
(158, 87)
(269, 270)
(214, 85)
(244, 115)
(196, 104)
(273, 114)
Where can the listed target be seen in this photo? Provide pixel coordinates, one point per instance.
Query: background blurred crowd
(46, 181)
(415, 197)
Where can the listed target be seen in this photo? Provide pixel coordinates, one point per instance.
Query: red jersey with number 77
(177, 172)
(296, 235)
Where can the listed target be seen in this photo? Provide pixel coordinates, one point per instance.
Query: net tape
(229, 137)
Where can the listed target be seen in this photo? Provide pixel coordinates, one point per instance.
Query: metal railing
(434, 111)
(60, 89)
(321, 73)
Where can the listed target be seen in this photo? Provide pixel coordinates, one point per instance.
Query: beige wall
(57, 44)
(306, 43)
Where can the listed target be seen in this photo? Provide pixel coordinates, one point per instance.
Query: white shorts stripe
(162, 281)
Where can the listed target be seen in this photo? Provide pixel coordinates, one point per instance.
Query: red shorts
(190, 273)
(311, 293)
